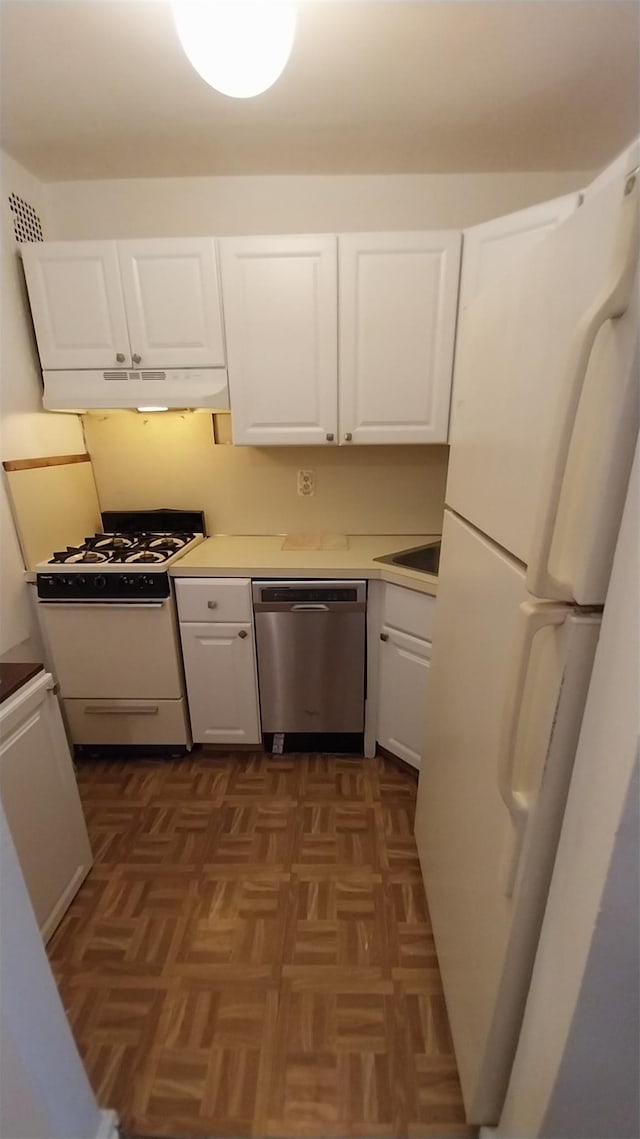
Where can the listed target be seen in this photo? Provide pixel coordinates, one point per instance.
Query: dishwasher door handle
(311, 607)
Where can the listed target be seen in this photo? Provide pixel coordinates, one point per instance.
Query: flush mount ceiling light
(240, 47)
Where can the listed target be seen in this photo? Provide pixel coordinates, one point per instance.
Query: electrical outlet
(306, 483)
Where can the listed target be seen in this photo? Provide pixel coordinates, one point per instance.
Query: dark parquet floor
(251, 954)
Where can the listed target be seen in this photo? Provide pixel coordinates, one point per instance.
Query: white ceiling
(100, 88)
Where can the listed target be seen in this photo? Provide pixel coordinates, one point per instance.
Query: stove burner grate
(115, 548)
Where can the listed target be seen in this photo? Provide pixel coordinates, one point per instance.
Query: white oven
(108, 617)
(119, 670)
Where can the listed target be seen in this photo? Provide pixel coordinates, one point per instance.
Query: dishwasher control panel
(283, 593)
(309, 592)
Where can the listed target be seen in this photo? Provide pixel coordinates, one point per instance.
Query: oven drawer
(127, 721)
(214, 599)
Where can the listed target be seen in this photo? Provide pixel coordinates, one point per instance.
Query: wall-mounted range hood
(163, 388)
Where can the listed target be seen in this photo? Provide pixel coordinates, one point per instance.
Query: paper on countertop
(316, 542)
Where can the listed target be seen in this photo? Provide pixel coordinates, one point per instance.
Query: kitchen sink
(424, 558)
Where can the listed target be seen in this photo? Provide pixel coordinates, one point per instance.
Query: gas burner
(146, 556)
(169, 541)
(110, 542)
(78, 554)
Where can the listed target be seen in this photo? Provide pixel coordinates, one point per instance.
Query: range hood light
(152, 409)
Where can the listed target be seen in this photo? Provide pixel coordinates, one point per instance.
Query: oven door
(114, 650)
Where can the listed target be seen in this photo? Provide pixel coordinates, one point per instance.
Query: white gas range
(108, 616)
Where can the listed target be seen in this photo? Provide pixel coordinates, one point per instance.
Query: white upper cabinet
(77, 304)
(398, 301)
(493, 246)
(281, 325)
(172, 302)
(153, 303)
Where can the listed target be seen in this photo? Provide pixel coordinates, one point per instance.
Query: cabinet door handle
(330, 437)
(212, 604)
(243, 633)
(348, 437)
(120, 357)
(136, 358)
(384, 636)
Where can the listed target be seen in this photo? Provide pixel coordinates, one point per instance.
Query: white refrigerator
(545, 418)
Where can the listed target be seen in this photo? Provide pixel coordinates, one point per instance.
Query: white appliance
(80, 390)
(108, 617)
(545, 419)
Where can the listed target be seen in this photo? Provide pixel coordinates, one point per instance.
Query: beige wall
(169, 460)
(25, 429)
(293, 204)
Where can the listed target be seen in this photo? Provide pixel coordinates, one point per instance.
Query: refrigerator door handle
(612, 303)
(533, 616)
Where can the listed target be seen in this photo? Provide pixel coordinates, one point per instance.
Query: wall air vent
(26, 223)
(114, 375)
(157, 376)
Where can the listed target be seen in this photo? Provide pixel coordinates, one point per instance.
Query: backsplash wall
(170, 460)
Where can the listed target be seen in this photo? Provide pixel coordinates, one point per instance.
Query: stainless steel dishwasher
(311, 654)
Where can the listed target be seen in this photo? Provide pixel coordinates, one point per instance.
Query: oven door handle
(127, 710)
(128, 605)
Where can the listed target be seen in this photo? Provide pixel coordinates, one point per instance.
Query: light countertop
(262, 556)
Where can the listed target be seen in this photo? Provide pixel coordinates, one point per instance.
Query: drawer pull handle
(132, 710)
(212, 604)
(348, 437)
(330, 436)
(243, 633)
(384, 636)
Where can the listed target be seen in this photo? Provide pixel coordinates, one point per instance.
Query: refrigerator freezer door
(491, 247)
(504, 712)
(514, 354)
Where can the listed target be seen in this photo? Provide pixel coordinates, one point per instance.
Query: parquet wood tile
(251, 954)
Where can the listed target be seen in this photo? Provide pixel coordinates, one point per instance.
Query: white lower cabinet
(219, 661)
(403, 672)
(41, 801)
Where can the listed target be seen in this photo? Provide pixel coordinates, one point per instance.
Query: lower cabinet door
(404, 671)
(41, 801)
(222, 682)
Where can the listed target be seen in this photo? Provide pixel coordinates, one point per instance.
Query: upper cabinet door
(77, 305)
(281, 327)
(172, 300)
(398, 299)
(492, 247)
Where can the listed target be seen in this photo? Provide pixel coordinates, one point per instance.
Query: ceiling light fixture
(240, 47)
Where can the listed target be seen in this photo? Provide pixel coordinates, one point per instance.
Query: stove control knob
(99, 581)
(80, 579)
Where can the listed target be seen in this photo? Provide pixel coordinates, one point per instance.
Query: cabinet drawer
(409, 611)
(127, 721)
(214, 599)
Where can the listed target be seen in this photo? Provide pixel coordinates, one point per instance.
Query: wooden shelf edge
(44, 461)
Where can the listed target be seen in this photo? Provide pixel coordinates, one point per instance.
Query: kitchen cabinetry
(281, 325)
(398, 300)
(40, 799)
(149, 303)
(403, 671)
(218, 649)
(393, 297)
